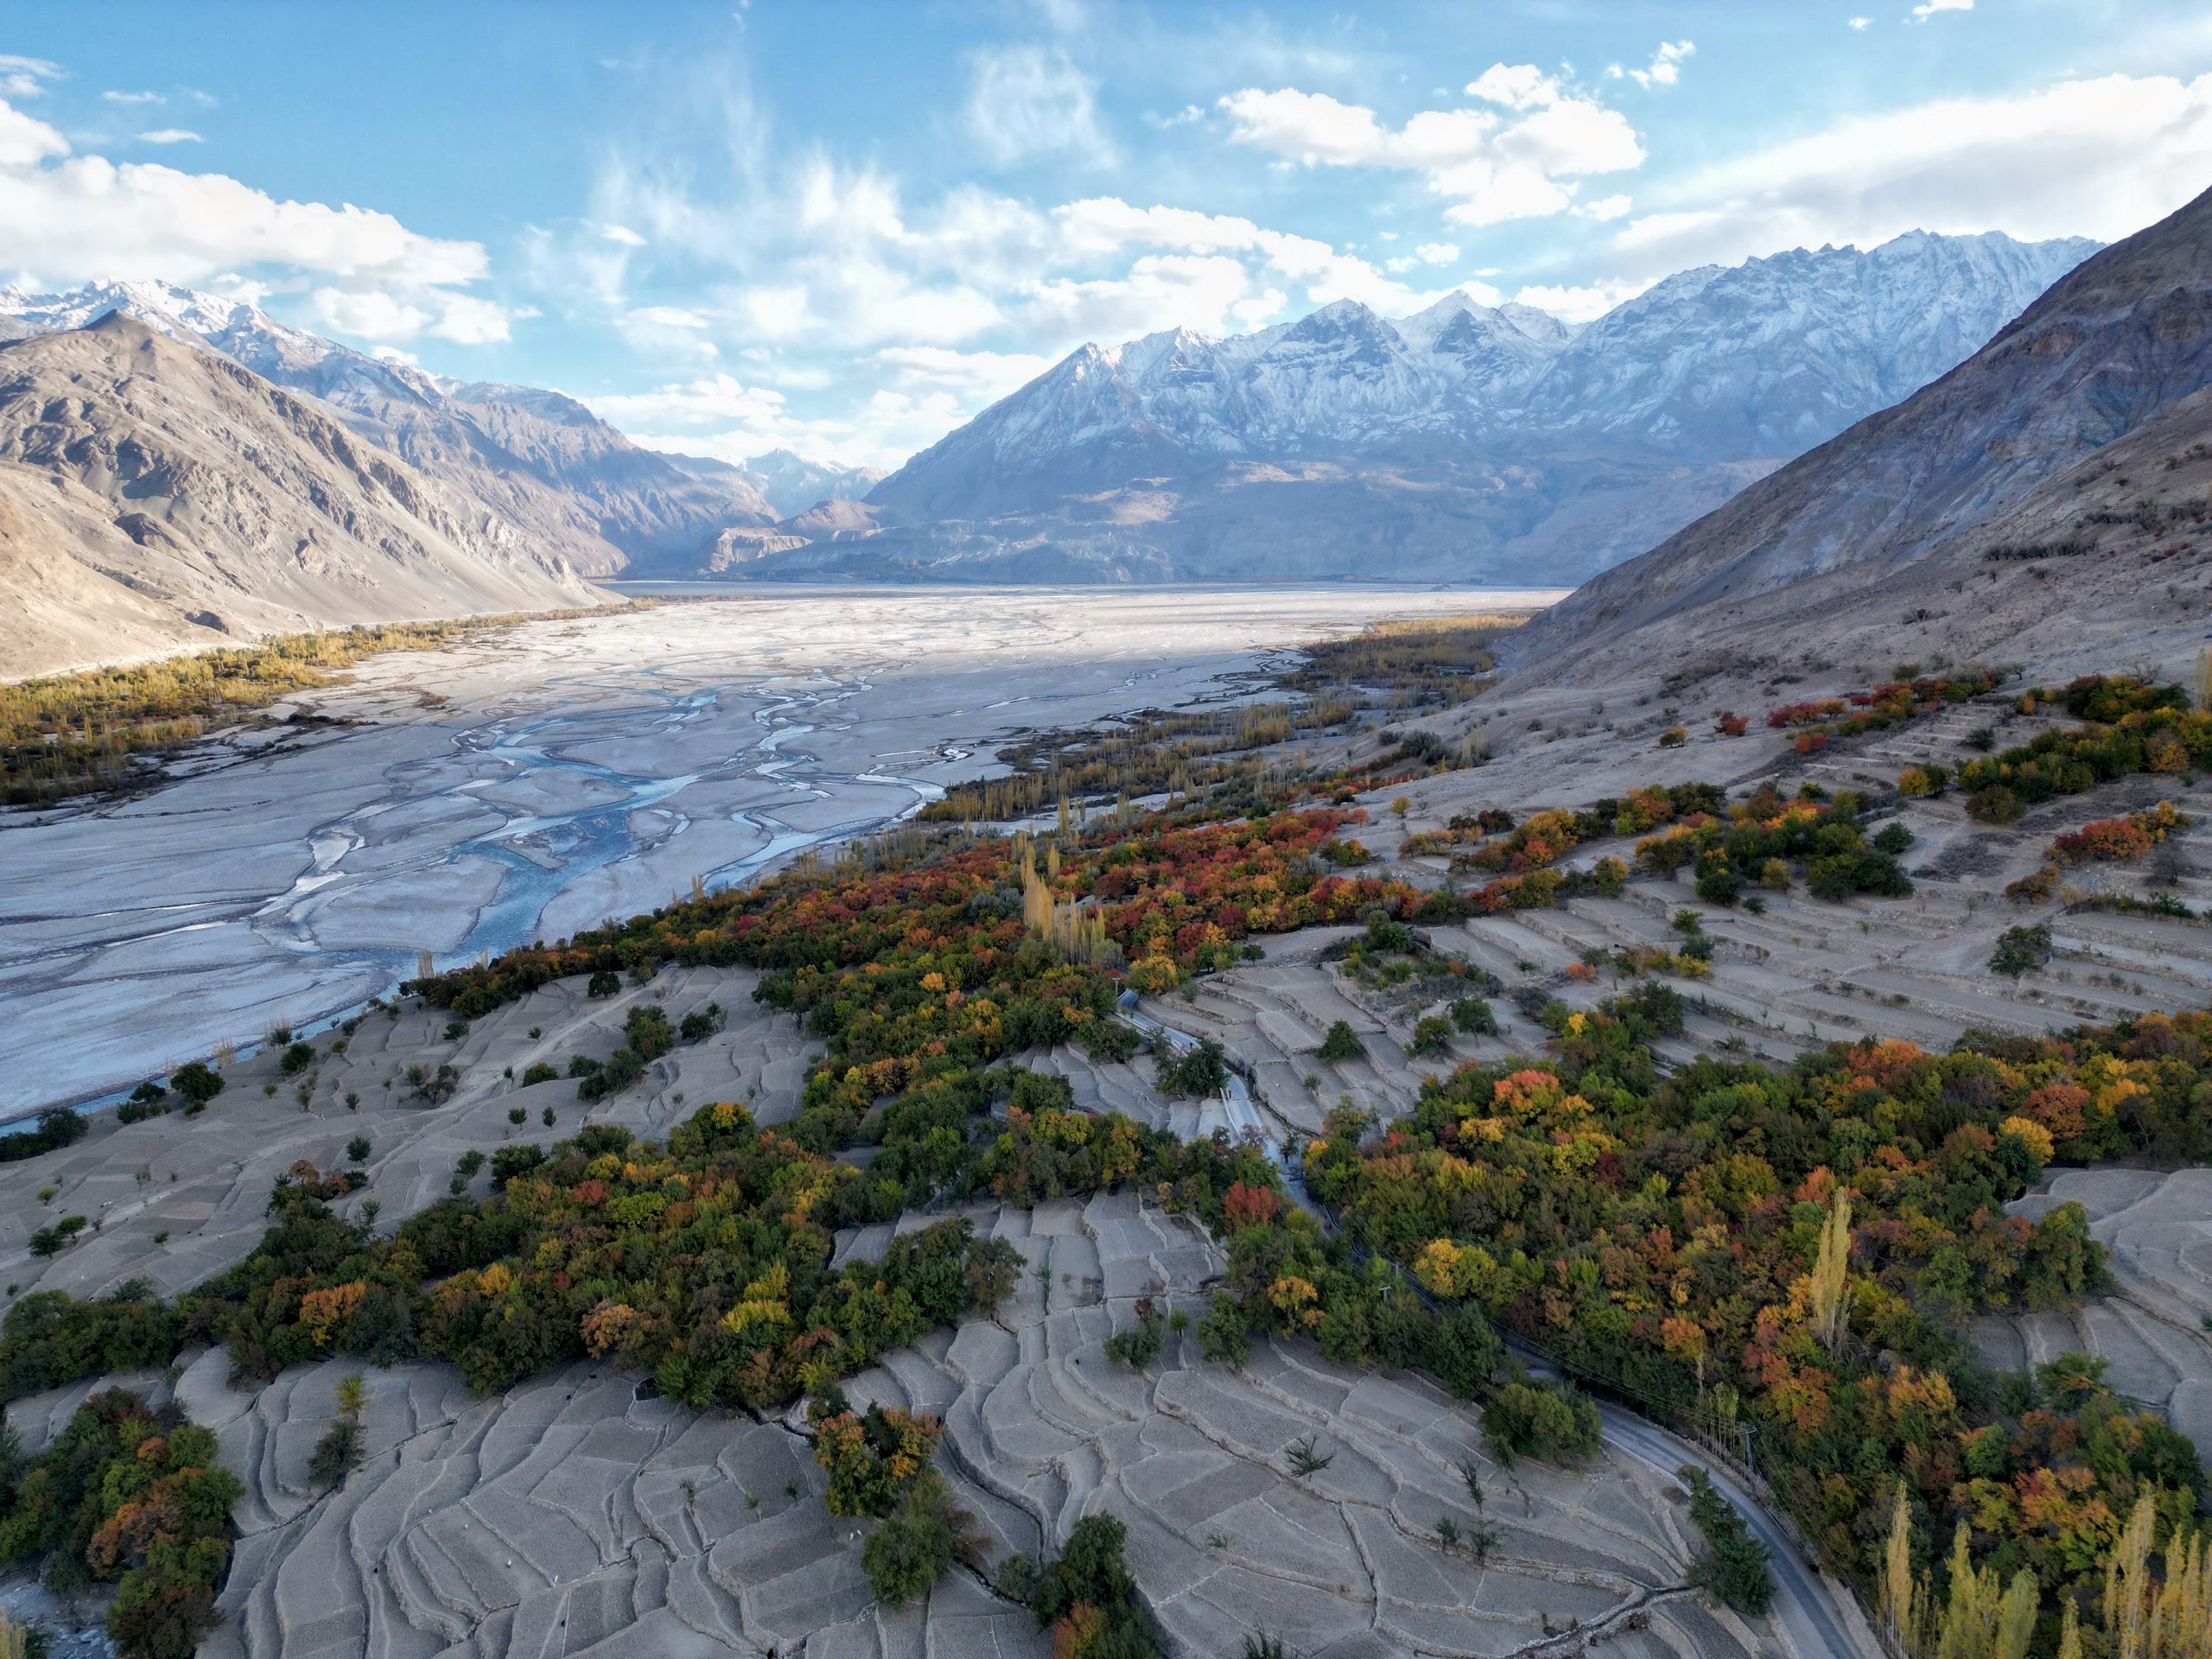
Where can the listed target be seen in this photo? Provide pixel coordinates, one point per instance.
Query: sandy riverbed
(563, 773)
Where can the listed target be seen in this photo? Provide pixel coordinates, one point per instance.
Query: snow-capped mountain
(538, 459)
(1754, 362)
(789, 483)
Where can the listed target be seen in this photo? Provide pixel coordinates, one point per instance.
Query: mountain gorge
(1463, 442)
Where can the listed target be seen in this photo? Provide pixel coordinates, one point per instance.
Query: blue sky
(844, 227)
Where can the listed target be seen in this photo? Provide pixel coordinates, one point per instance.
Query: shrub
(1342, 1043)
(1980, 739)
(1994, 804)
(1541, 1419)
(57, 1126)
(539, 1072)
(701, 1023)
(1225, 1332)
(2021, 951)
(1200, 1071)
(50, 1338)
(1774, 875)
(918, 1541)
(1893, 838)
(338, 1453)
(357, 1149)
(297, 1058)
(604, 983)
(1920, 782)
(872, 1457)
(1732, 1568)
(196, 1083)
(1431, 1035)
(1718, 882)
(1153, 974)
(1088, 1599)
(135, 1498)
(1139, 1345)
(1472, 1014)
(1674, 737)
(510, 1161)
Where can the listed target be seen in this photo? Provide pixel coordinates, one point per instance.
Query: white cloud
(668, 316)
(1580, 304)
(1921, 13)
(1439, 253)
(1666, 64)
(134, 98)
(2100, 158)
(621, 235)
(978, 376)
(717, 400)
(725, 418)
(1027, 101)
(25, 141)
(170, 136)
(1860, 23)
(1603, 208)
(26, 77)
(66, 218)
(1493, 167)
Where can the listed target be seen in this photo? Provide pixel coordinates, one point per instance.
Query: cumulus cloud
(170, 136)
(2099, 157)
(1027, 101)
(1523, 156)
(1922, 12)
(1583, 303)
(1438, 253)
(66, 218)
(723, 417)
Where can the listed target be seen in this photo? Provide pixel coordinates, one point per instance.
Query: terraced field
(571, 1516)
(2153, 1326)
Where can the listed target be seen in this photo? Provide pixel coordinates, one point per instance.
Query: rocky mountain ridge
(537, 458)
(2021, 488)
(1463, 442)
(154, 496)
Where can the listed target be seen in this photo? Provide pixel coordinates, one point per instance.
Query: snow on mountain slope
(789, 483)
(538, 459)
(2115, 343)
(1446, 443)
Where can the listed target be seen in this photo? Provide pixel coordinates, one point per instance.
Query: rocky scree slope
(154, 496)
(1462, 442)
(1827, 542)
(541, 460)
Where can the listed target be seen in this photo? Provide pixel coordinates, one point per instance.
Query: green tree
(1342, 1043)
(1733, 1566)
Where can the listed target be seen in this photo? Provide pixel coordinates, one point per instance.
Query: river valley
(553, 775)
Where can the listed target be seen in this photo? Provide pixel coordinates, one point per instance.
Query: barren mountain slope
(542, 461)
(153, 495)
(2124, 336)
